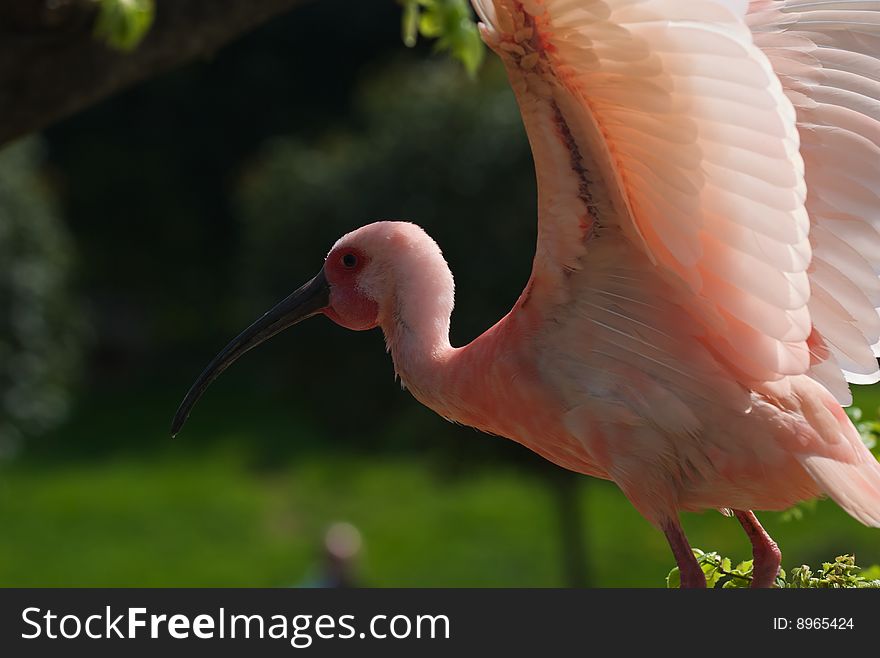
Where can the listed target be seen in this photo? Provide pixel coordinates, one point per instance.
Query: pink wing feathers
(826, 54)
(661, 120)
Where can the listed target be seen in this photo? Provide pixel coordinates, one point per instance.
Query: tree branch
(52, 66)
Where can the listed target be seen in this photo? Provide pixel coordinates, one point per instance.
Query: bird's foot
(768, 559)
(765, 551)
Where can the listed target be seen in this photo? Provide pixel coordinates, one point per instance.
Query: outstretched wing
(661, 121)
(826, 54)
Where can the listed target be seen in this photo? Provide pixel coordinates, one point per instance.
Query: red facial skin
(349, 307)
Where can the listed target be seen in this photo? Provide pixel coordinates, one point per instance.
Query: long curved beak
(303, 303)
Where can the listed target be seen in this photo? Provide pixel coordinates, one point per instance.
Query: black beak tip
(181, 416)
(178, 422)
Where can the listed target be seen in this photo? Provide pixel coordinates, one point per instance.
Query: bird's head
(388, 274)
(377, 272)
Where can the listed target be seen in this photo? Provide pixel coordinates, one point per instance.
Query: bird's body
(680, 434)
(706, 272)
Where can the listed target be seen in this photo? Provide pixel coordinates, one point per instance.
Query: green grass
(84, 509)
(210, 522)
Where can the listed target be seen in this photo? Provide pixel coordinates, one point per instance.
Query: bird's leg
(691, 574)
(767, 555)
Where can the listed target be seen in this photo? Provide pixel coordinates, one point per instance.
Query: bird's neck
(418, 341)
(416, 322)
(459, 383)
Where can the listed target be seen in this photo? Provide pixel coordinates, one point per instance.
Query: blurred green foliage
(450, 23)
(122, 24)
(40, 321)
(868, 426)
(800, 511)
(208, 521)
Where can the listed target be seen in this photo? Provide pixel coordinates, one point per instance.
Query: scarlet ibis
(705, 282)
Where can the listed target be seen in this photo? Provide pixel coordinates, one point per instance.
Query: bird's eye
(349, 261)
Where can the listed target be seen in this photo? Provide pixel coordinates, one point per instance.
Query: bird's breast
(495, 385)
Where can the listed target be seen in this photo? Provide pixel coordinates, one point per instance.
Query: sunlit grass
(205, 511)
(211, 522)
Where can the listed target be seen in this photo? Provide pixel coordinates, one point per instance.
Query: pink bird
(705, 281)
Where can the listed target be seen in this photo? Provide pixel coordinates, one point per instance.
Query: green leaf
(707, 560)
(800, 577)
(744, 568)
(712, 577)
(470, 50)
(431, 25)
(780, 579)
(869, 429)
(122, 24)
(450, 23)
